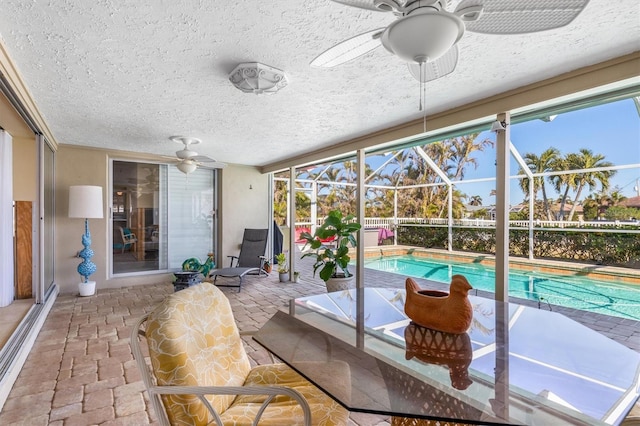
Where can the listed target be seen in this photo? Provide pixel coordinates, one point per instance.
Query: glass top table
(515, 365)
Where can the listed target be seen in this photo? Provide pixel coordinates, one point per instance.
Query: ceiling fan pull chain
(424, 97)
(421, 84)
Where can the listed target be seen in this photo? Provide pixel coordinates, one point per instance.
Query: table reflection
(437, 347)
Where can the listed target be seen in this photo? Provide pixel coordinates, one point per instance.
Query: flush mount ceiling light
(254, 77)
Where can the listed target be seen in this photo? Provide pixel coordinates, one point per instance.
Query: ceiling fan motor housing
(185, 154)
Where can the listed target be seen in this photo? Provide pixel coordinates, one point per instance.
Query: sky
(611, 129)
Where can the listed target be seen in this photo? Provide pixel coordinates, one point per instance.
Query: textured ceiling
(127, 75)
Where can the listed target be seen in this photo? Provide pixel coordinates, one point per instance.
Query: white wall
(244, 203)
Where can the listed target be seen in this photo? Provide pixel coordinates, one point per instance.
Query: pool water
(608, 298)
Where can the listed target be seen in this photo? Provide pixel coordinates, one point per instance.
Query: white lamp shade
(423, 36)
(187, 166)
(85, 201)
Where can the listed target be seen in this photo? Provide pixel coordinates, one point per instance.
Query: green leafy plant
(281, 259)
(338, 230)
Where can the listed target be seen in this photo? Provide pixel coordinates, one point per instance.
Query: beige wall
(25, 159)
(240, 207)
(78, 167)
(244, 203)
(25, 169)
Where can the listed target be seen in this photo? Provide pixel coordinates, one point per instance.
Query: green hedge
(604, 248)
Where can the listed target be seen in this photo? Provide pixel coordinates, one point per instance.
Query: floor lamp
(85, 202)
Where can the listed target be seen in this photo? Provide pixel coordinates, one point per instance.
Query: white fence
(632, 227)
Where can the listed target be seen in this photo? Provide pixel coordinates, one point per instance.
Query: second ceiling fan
(189, 160)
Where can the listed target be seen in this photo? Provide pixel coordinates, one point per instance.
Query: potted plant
(283, 268)
(332, 261)
(296, 276)
(266, 266)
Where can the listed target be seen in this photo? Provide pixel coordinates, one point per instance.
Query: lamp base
(87, 289)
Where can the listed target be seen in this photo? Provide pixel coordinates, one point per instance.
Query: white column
(450, 218)
(502, 209)
(6, 219)
(314, 206)
(360, 210)
(395, 216)
(292, 223)
(531, 208)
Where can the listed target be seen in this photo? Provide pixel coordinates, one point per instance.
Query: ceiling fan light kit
(187, 166)
(257, 78)
(423, 36)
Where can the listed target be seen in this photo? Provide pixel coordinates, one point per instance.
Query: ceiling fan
(425, 32)
(189, 160)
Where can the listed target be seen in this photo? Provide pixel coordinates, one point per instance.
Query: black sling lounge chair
(250, 260)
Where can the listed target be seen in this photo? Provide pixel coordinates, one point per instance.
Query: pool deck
(81, 371)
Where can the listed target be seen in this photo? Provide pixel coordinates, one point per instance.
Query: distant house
(469, 210)
(577, 215)
(491, 210)
(630, 202)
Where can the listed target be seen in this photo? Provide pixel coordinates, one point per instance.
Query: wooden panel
(24, 252)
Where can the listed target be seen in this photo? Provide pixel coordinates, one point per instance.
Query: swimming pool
(608, 298)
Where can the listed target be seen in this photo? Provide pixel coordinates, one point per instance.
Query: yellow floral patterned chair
(201, 373)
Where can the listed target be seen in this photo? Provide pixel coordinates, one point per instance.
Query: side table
(185, 279)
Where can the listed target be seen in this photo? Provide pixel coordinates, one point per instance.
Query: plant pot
(284, 276)
(87, 289)
(340, 283)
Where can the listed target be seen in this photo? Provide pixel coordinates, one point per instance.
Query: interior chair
(200, 374)
(250, 260)
(128, 238)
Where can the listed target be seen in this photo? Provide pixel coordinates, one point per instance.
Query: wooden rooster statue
(448, 312)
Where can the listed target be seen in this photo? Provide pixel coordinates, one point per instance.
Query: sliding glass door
(160, 217)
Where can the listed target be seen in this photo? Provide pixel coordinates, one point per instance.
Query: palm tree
(590, 208)
(566, 181)
(461, 149)
(475, 200)
(586, 159)
(547, 161)
(616, 196)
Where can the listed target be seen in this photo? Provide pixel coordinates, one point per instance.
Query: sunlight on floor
(11, 316)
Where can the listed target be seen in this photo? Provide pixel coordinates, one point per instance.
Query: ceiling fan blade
(214, 165)
(362, 4)
(203, 159)
(521, 17)
(349, 49)
(442, 66)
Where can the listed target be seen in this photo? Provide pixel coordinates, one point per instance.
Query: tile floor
(81, 371)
